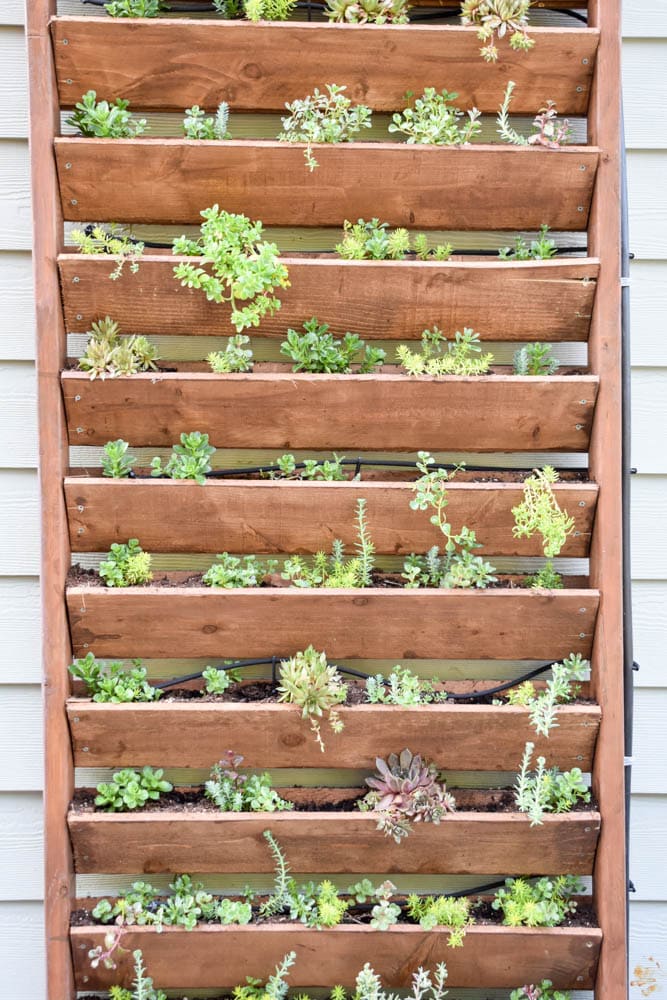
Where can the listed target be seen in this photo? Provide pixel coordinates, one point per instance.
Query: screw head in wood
(70, 81)
(65, 41)
(580, 208)
(76, 719)
(68, 166)
(582, 503)
(582, 635)
(84, 749)
(74, 201)
(585, 61)
(77, 399)
(579, 90)
(75, 281)
(578, 427)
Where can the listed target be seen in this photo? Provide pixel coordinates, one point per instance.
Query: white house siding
(21, 947)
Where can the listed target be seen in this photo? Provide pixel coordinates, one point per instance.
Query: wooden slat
(426, 187)
(378, 299)
(474, 843)
(287, 411)
(372, 623)
(258, 67)
(219, 956)
(271, 517)
(188, 734)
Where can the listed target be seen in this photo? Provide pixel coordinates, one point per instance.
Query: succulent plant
(407, 789)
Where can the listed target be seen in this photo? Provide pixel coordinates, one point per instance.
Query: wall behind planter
(20, 781)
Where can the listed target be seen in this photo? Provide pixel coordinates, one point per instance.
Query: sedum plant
(107, 353)
(434, 120)
(236, 571)
(218, 681)
(237, 266)
(375, 241)
(114, 682)
(330, 470)
(115, 461)
(457, 566)
(186, 905)
(462, 356)
(236, 357)
(369, 985)
(275, 988)
(134, 8)
(540, 513)
(384, 912)
(323, 117)
(335, 571)
(544, 903)
(105, 120)
(561, 687)
(540, 249)
(543, 991)
(495, 19)
(314, 905)
(100, 239)
(316, 687)
(548, 130)
(402, 687)
(268, 10)
(317, 350)
(129, 789)
(188, 460)
(197, 126)
(368, 11)
(547, 790)
(142, 987)
(232, 791)
(126, 565)
(406, 790)
(535, 359)
(546, 578)
(442, 911)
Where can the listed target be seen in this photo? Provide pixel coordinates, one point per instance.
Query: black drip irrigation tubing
(275, 660)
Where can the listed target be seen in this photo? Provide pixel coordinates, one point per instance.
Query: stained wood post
(51, 354)
(606, 565)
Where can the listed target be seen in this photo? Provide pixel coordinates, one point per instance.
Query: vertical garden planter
(477, 189)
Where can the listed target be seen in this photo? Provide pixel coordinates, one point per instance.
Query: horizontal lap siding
(21, 927)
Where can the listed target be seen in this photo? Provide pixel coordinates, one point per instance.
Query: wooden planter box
(223, 956)
(280, 516)
(288, 411)
(260, 66)
(465, 843)
(367, 623)
(389, 300)
(422, 187)
(191, 734)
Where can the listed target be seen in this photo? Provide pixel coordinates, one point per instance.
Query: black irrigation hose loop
(505, 686)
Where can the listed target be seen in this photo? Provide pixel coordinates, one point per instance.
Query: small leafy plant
(323, 117)
(462, 356)
(107, 353)
(368, 11)
(540, 249)
(314, 905)
(402, 687)
(316, 687)
(561, 687)
(548, 130)
(188, 460)
(330, 470)
(114, 682)
(184, 907)
(236, 357)
(547, 790)
(457, 567)
(237, 266)
(335, 571)
(498, 18)
(433, 119)
(406, 790)
(317, 350)
(115, 461)
(236, 571)
(268, 10)
(232, 791)
(218, 681)
(129, 789)
(105, 120)
(134, 8)
(384, 913)
(546, 578)
(544, 903)
(442, 911)
(142, 987)
(540, 513)
(544, 991)
(197, 126)
(535, 359)
(375, 241)
(126, 565)
(99, 239)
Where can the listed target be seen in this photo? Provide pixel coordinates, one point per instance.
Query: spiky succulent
(368, 11)
(309, 681)
(406, 789)
(498, 17)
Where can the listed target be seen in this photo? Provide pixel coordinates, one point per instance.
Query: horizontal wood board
(218, 956)
(378, 299)
(188, 734)
(287, 411)
(272, 517)
(168, 65)
(426, 187)
(371, 623)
